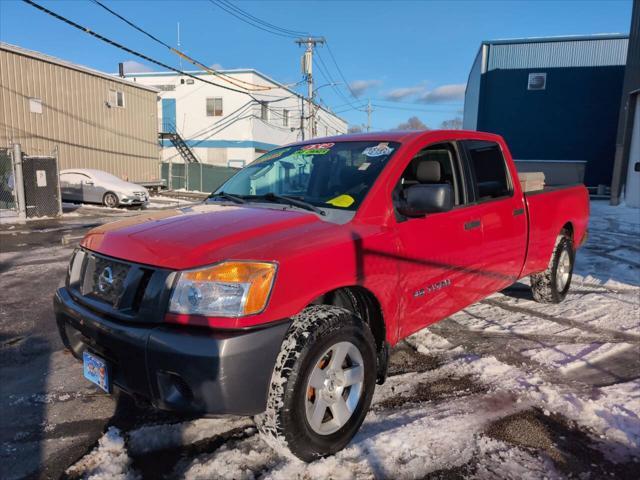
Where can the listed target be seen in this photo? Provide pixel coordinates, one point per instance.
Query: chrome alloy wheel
(563, 271)
(334, 388)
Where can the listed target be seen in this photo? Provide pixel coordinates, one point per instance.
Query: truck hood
(193, 236)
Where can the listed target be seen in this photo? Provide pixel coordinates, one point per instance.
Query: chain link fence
(199, 177)
(7, 183)
(29, 185)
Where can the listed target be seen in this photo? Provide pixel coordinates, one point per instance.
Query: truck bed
(550, 210)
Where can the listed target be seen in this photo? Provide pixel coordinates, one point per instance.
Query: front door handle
(472, 224)
(518, 211)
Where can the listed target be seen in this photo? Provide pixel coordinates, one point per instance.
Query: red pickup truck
(281, 294)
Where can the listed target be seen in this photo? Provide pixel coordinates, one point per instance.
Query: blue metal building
(553, 99)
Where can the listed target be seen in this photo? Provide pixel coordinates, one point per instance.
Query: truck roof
(400, 136)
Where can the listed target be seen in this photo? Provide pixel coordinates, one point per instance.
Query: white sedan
(95, 186)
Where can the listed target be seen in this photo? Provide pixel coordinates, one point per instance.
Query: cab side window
(435, 164)
(488, 169)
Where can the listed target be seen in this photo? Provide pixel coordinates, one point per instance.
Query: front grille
(105, 279)
(119, 289)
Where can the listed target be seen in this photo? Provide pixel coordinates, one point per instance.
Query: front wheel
(110, 200)
(322, 383)
(552, 285)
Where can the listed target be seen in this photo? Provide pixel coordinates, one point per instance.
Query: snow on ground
(108, 461)
(479, 395)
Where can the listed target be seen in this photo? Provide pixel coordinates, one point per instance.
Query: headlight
(229, 289)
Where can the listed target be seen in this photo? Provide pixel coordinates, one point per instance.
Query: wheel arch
(568, 230)
(363, 303)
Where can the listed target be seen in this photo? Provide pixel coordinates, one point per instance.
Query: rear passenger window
(488, 169)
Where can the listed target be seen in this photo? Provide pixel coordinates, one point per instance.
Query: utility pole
(369, 110)
(18, 182)
(307, 71)
(179, 46)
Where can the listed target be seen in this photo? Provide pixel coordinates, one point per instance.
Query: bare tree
(452, 124)
(413, 123)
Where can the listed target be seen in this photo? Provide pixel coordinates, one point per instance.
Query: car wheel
(552, 285)
(322, 384)
(110, 200)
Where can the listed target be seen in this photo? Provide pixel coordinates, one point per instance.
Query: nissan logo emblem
(105, 280)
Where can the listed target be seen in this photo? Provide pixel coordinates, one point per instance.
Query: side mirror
(88, 182)
(426, 198)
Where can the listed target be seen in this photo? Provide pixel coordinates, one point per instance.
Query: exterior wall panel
(472, 93)
(75, 118)
(574, 118)
(556, 54)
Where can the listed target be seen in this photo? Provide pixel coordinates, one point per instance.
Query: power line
(134, 52)
(221, 75)
(416, 109)
(254, 21)
(276, 30)
(244, 13)
(340, 72)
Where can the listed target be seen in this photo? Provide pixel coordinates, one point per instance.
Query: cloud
(131, 66)
(360, 86)
(398, 94)
(444, 93)
(217, 66)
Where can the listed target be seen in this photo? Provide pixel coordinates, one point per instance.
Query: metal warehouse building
(91, 119)
(626, 172)
(555, 100)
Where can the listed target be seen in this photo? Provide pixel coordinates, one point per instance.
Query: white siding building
(228, 128)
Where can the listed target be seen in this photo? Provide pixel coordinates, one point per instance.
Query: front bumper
(179, 368)
(134, 201)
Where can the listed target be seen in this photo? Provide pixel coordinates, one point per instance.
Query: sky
(410, 58)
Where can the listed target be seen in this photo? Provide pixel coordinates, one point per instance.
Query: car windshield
(327, 175)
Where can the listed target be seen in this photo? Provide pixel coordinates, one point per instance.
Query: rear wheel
(552, 285)
(110, 200)
(322, 383)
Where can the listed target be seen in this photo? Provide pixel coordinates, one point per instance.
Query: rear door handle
(518, 211)
(472, 224)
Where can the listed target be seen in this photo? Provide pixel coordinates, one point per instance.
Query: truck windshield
(326, 175)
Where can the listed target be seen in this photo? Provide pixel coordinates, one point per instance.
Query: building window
(537, 81)
(285, 118)
(116, 98)
(190, 81)
(165, 88)
(214, 107)
(35, 105)
(217, 156)
(236, 163)
(264, 111)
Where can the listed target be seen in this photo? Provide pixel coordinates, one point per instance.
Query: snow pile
(501, 460)
(568, 357)
(160, 437)
(427, 342)
(108, 461)
(614, 414)
(236, 461)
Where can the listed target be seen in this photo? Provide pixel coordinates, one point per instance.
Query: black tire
(284, 424)
(548, 286)
(110, 200)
